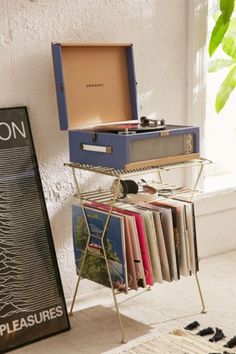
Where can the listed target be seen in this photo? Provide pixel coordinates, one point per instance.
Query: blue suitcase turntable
(97, 104)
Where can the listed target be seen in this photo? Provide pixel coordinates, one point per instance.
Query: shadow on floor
(101, 324)
(93, 330)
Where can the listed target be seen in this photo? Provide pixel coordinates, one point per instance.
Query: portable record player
(97, 104)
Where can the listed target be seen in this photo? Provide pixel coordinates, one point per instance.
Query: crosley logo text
(95, 85)
(11, 130)
(31, 320)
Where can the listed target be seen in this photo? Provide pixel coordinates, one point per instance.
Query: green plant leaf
(216, 15)
(218, 64)
(227, 8)
(217, 34)
(231, 31)
(229, 46)
(225, 90)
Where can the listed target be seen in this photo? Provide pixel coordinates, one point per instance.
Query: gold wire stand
(119, 174)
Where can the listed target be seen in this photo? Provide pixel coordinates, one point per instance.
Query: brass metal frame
(119, 174)
(109, 171)
(204, 310)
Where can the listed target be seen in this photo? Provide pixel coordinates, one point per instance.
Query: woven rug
(180, 342)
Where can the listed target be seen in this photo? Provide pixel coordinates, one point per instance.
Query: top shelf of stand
(121, 173)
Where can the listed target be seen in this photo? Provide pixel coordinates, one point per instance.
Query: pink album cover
(132, 281)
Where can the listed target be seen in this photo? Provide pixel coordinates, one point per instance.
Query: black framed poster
(32, 304)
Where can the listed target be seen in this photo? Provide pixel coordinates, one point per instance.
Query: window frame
(197, 11)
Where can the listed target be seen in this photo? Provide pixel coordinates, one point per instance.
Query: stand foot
(204, 310)
(123, 341)
(74, 297)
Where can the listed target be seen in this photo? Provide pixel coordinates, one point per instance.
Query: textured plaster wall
(158, 30)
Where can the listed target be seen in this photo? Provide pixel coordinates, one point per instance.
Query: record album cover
(114, 242)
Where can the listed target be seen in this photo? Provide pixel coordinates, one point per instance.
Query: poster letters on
(32, 304)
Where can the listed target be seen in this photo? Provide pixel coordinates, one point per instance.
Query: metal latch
(94, 137)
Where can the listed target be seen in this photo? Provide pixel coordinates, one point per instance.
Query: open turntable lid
(95, 84)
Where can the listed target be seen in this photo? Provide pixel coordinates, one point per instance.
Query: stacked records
(146, 243)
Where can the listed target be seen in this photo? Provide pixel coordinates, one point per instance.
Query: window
(218, 131)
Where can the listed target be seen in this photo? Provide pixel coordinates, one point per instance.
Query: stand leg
(196, 182)
(74, 296)
(107, 264)
(204, 310)
(115, 302)
(86, 246)
(160, 177)
(79, 277)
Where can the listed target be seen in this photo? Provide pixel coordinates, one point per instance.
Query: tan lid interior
(96, 85)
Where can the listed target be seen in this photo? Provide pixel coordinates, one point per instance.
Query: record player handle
(96, 148)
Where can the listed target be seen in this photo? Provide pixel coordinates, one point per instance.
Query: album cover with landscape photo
(114, 242)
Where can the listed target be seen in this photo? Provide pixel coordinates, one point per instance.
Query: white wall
(158, 30)
(216, 222)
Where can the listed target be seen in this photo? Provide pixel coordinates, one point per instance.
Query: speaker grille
(161, 147)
